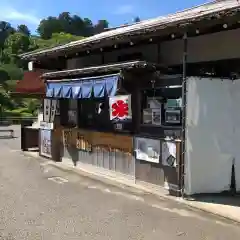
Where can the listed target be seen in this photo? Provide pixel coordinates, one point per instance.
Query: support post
(102, 58)
(184, 104)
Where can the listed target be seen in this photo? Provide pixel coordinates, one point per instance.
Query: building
(177, 76)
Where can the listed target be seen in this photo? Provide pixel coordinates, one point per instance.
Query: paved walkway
(227, 207)
(38, 201)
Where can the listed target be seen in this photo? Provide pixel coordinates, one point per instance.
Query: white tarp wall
(212, 134)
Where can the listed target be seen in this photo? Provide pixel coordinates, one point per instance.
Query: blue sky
(116, 12)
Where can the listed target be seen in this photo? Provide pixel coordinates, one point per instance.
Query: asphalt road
(39, 202)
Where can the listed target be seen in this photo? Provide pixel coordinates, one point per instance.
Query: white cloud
(124, 9)
(11, 14)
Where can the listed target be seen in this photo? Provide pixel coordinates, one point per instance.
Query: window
(68, 112)
(72, 112)
(86, 113)
(94, 114)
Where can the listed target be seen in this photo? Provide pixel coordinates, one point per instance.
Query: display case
(172, 110)
(161, 112)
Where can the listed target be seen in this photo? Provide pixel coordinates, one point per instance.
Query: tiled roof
(31, 84)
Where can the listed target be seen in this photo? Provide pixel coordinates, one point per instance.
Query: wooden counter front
(113, 141)
(85, 140)
(107, 150)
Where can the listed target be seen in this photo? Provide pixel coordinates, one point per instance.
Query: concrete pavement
(223, 206)
(38, 201)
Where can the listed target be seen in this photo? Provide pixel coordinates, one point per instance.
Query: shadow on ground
(221, 199)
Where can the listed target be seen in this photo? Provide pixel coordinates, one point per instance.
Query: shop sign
(47, 110)
(120, 108)
(50, 110)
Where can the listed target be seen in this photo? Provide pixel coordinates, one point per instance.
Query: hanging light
(172, 35)
(150, 40)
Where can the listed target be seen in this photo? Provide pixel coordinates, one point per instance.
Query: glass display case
(152, 113)
(173, 111)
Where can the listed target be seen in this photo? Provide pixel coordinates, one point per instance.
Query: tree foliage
(5, 30)
(22, 28)
(56, 39)
(72, 24)
(17, 43)
(137, 19)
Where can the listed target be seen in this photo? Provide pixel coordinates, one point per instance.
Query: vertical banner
(57, 108)
(50, 110)
(120, 108)
(46, 110)
(53, 109)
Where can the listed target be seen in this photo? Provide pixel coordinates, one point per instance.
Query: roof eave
(106, 69)
(127, 32)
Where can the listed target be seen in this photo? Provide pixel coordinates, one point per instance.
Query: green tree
(88, 27)
(72, 24)
(17, 43)
(65, 22)
(80, 27)
(12, 71)
(22, 28)
(136, 19)
(49, 26)
(101, 26)
(5, 30)
(14, 45)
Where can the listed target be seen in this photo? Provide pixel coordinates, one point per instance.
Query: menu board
(45, 144)
(46, 139)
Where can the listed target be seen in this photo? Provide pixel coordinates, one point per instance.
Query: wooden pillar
(136, 109)
(181, 168)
